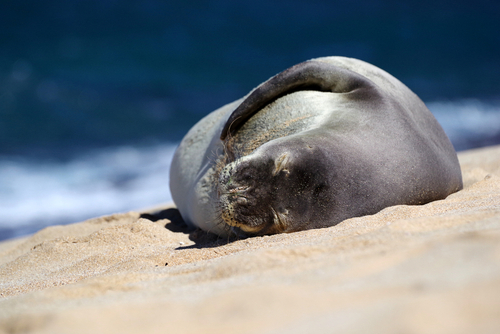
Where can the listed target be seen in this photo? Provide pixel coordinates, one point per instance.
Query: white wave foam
(468, 123)
(108, 181)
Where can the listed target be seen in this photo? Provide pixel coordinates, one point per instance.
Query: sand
(407, 269)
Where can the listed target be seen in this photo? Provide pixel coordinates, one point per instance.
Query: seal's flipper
(309, 75)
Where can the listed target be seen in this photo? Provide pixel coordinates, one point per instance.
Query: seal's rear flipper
(309, 75)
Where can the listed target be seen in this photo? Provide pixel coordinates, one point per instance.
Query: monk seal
(325, 140)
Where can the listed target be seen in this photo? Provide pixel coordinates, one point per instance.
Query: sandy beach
(433, 268)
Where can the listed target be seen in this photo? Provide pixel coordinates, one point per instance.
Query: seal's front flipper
(309, 75)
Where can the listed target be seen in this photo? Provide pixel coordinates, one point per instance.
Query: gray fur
(326, 140)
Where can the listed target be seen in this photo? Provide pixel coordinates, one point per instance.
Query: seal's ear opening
(281, 164)
(309, 75)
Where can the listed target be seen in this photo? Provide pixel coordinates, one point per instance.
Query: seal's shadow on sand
(202, 239)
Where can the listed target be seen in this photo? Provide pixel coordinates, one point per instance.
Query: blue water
(94, 95)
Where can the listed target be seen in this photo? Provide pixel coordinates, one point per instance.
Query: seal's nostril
(238, 189)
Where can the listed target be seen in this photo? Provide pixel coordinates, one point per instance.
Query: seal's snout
(240, 197)
(238, 194)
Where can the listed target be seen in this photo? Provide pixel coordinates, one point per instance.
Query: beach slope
(433, 268)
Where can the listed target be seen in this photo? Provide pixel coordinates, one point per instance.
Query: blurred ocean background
(96, 94)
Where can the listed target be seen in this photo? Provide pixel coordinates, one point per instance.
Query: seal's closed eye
(281, 163)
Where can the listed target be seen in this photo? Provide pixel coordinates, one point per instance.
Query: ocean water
(469, 123)
(95, 95)
(36, 193)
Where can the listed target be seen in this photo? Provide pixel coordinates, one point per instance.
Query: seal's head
(277, 188)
